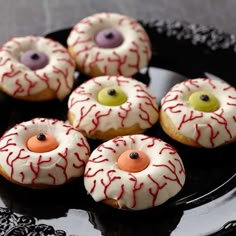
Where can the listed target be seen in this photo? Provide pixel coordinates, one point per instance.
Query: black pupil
(41, 137)
(109, 35)
(204, 97)
(35, 56)
(111, 92)
(133, 155)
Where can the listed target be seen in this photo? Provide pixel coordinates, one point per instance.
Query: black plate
(207, 203)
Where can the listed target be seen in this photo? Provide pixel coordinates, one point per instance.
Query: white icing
(52, 168)
(161, 180)
(90, 116)
(131, 56)
(209, 129)
(19, 81)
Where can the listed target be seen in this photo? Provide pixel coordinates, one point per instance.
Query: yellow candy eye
(111, 96)
(204, 101)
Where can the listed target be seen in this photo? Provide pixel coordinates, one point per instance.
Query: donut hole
(32, 53)
(41, 143)
(34, 59)
(111, 96)
(204, 101)
(109, 38)
(133, 161)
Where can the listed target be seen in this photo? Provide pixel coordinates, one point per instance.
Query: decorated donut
(134, 171)
(109, 44)
(42, 153)
(35, 68)
(104, 107)
(200, 112)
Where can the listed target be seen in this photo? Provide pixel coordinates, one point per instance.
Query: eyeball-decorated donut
(109, 44)
(134, 171)
(42, 153)
(36, 68)
(200, 112)
(107, 106)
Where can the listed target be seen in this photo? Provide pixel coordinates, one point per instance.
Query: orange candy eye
(42, 143)
(133, 161)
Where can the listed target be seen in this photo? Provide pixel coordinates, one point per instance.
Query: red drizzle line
(110, 180)
(135, 188)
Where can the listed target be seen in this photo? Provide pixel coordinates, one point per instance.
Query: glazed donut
(35, 68)
(109, 44)
(42, 153)
(200, 112)
(134, 172)
(104, 107)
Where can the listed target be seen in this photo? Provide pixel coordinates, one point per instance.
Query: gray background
(38, 17)
(22, 17)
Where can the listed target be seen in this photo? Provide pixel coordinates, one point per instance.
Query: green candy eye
(111, 96)
(204, 101)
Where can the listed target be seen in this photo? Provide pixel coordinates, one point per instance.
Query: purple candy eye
(34, 59)
(109, 38)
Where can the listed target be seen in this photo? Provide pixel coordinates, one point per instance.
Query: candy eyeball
(109, 38)
(111, 96)
(34, 59)
(204, 101)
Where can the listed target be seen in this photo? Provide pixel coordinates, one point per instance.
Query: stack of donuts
(127, 168)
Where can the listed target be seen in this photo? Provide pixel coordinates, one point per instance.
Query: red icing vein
(137, 186)
(110, 178)
(153, 192)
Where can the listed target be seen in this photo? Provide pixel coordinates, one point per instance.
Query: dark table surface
(39, 17)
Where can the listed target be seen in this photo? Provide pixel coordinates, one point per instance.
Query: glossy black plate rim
(211, 43)
(218, 42)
